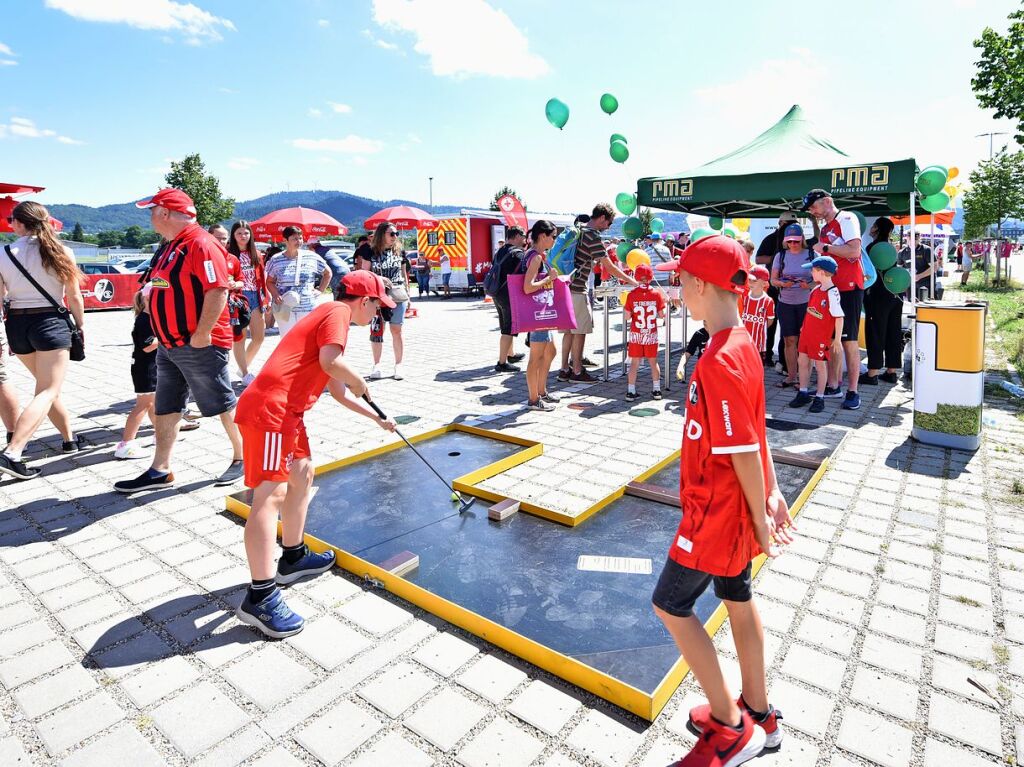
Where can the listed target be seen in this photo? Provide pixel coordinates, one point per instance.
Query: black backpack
(496, 278)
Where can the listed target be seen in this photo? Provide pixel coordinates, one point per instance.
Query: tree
(132, 237)
(109, 239)
(645, 215)
(189, 176)
(996, 193)
(77, 234)
(501, 193)
(999, 84)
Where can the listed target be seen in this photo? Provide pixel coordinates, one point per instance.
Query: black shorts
(679, 588)
(504, 307)
(43, 332)
(791, 318)
(144, 376)
(203, 371)
(852, 302)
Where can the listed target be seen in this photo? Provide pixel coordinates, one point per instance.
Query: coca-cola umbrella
(402, 217)
(312, 223)
(8, 203)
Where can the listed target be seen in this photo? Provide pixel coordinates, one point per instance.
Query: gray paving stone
(939, 754)
(132, 571)
(34, 663)
(545, 707)
(198, 718)
(603, 739)
(52, 579)
(122, 659)
(907, 575)
(875, 738)
(885, 653)
(227, 644)
(268, 677)
(393, 749)
(500, 744)
(122, 745)
(397, 689)
(965, 723)
(329, 642)
(842, 580)
(885, 693)
(963, 644)
(11, 753)
(837, 637)
(70, 595)
(100, 635)
(910, 600)
(910, 628)
(968, 616)
(445, 654)
(54, 690)
(374, 614)
(491, 678)
(15, 640)
(158, 680)
(337, 733)
(276, 757)
(852, 559)
(16, 614)
(817, 668)
(76, 723)
(88, 612)
(235, 749)
(446, 718)
(805, 710)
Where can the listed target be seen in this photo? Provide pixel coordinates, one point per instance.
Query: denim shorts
(540, 336)
(204, 372)
(446, 279)
(679, 588)
(43, 332)
(253, 299)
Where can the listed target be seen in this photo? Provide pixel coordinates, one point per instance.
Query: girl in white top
(37, 332)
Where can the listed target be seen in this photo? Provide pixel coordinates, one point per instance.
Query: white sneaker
(129, 450)
(247, 379)
(375, 374)
(398, 373)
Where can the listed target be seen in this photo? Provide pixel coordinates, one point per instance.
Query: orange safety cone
(488, 299)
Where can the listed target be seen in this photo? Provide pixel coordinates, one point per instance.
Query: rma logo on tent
(672, 190)
(864, 178)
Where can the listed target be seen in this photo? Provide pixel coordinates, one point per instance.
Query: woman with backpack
(794, 284)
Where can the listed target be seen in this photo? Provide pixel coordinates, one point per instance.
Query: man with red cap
(188, 309)
(278, 466)
(732, 510)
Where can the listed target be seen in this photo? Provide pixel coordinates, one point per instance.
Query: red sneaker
(723, 746)
(769, 722)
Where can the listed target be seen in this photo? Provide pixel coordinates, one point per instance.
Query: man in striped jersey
(278, 466)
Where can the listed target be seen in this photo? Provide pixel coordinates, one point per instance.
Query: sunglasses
(392, 234)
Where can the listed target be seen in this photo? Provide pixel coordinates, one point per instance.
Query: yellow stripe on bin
(959, 336)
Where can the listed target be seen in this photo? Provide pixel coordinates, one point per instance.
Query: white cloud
(193, 23)
(351, 144)
(385, 45)
(323, 23)
(22, 127)
(6, 51)
(242, 163)
(488, 42)
(360, 161)
(341, 109)
(314, 112)
(222, 89)
(8, 63)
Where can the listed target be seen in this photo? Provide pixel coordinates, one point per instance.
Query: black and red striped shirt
(190, 265)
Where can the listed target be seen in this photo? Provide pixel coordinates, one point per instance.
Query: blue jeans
(423, 283)
(203, 371)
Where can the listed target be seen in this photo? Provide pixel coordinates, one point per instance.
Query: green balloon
(931, 180)
(731, 231)
(557, 113)
(617, 137)
(716, 222)
(609, 103)
(897, 279)
(625, 202)
(897, 202)
(935, 202)
(700, 234)
(657, 225)
(883, 256)
(863, 222)
(619, 151)
(632, 228)
(622, 249)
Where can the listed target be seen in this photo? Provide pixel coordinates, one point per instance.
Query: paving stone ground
(118, 643)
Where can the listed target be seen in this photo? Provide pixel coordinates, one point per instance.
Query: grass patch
(1017, 488)
(967, 601)
(1001, 653)
(1006, 305)
(961, 420)
(936, 547)
(979, 665)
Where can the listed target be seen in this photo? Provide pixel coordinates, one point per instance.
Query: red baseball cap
(717, 259)
(760, 272)
(643, 273)
(172, 199)
(360, 282)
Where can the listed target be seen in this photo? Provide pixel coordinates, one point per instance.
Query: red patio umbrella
(7, 205)
(311, 222)
(402, 217)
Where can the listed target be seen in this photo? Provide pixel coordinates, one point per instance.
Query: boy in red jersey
(644, 306)
(277, 458)
(820, 334)
(732, 511)
(758, 311)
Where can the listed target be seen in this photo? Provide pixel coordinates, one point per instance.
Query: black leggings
(883, 330)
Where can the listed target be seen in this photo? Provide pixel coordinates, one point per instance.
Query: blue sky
(375, 96)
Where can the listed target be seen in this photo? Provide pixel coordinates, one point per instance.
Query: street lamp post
(999, 223)
(431, 178)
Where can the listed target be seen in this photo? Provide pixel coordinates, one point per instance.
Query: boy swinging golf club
(278, 466)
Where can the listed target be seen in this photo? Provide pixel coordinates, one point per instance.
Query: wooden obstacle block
(503, 509)
(402, 563)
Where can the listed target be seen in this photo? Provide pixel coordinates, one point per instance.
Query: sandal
(785, 384)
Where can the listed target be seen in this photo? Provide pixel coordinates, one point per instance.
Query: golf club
(464, 503)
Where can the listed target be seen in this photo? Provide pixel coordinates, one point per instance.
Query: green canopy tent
(774, 171)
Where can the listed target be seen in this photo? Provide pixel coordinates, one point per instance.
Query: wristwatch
(824, 249)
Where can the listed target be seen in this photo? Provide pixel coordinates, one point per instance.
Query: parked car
(136, 264)
(105, 269)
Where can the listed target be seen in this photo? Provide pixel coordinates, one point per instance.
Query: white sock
(14, 456)
(657, 384)
(631, 388)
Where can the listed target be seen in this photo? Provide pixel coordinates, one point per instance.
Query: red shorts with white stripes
(268, 455)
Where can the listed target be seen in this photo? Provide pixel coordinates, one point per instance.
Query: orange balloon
(953, 173)
(636, 257)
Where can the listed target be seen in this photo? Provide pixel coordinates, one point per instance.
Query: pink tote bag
(544, 310)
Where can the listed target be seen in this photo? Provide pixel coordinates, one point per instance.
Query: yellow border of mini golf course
(646, 706)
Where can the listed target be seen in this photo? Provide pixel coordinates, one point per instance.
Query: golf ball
(455, 496)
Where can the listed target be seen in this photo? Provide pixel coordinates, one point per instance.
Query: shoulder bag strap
(60, 309)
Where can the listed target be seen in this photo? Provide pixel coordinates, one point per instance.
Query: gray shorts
(584, 314)
(204, 372)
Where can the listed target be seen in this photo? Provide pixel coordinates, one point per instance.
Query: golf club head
(466, 503)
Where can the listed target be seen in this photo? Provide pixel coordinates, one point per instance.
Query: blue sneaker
(310, 564)
(271, 616)
(852, 401)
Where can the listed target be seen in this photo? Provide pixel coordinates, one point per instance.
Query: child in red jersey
(644, 305)
(732, 511)
(820, 333)
(758, 311)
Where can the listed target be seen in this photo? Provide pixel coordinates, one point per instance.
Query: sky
(375, 97)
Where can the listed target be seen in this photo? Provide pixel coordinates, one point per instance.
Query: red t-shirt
(823, 306)
(292, 380)
(725, 414)
(189, 266)
(644, 306)
(757, 314)
(840, 230)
